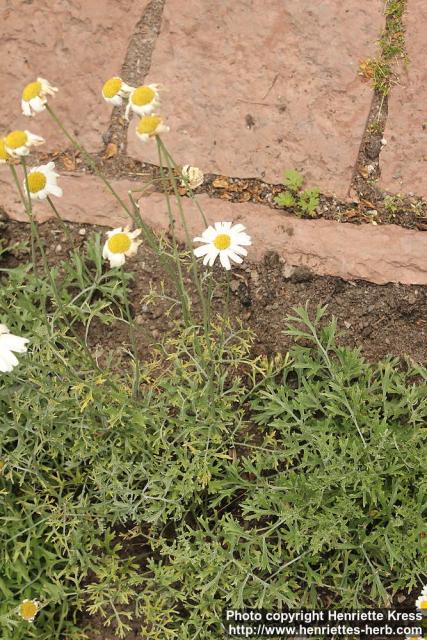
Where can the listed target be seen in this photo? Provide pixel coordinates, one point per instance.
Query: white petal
(126, 88)
(116, 259)
(233, 256)
(37, 104)
(210, 257)
(133, 248)
(144, 137)
(26, 109)
(20, 151)
(55, 190)
(242, 238)
(114, 231)
(213, 256)
(40, 195)
(208, 234)
(224, 259)
(202, 251)
(9, 358)
(236, 249)
(13, 343)
(5, 367)
(238, 228)
(33, 139)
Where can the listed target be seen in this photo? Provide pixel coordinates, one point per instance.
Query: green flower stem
(151, 238)
(61, 221)
(35, 233)
(132, 337)
(89, 160)
(18, 184)
(28, 208)
(195, 270)
(209, 366)
(180, 280)
(190, 191)
(199, 208)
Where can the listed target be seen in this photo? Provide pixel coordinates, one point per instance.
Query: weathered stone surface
(86, 199)
(379, 254)
(76, 46)
(403, 160)
(253, 87)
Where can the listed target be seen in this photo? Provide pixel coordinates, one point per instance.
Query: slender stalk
(89, 159)
(195, 269)
(193, 197)
(132, 337)
(18, 184)
(189, 189)
(61, 221)
(34, 231)
(180, 279)
(28, 208)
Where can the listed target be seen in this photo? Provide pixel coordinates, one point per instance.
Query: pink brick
(291, 66)
(76, 46)
(404, 159)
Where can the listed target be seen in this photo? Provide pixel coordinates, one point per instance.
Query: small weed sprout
(304, 201)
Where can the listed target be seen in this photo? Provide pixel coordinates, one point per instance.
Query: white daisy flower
(226, 241)
(34, 96)
(114, 90)
(4, 156)
(8, 344)
(421, 602)
(28, 609)
(193, 176)
(150, 126)
(120, 244)
(18, 143)
(143, 100)
(42, 182)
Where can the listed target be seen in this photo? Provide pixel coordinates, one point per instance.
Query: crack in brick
(367, 167)
(136, 67)
(233, 189)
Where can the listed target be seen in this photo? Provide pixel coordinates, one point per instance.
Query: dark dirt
(381, 320)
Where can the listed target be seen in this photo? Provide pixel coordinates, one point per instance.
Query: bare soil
(380, 320)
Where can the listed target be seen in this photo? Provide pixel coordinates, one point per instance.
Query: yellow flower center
(148, 124)
(423, 604)
(119, 243)
(31, 91)
(16, 139)
(142, 95)
(222, 241)
(36, 181)
(3, 153)
(28, 609)
(112, 87)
